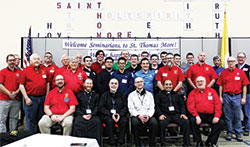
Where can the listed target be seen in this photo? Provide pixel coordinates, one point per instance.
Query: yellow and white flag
(224, 44)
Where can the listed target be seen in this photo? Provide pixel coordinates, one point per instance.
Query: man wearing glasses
(241, 58)
(170, 72)
(58, 107)
(9, 89)
(233, 88)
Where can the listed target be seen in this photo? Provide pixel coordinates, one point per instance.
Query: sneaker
(239, 138)
(246, 133)
(228, 137)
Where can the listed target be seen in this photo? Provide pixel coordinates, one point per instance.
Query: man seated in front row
(58, 107)
(141, 108)
(205, 106)
(170, 107)
(113, 110)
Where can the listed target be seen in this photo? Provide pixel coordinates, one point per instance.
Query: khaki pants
(45, 123)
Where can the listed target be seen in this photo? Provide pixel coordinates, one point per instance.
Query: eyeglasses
(231, 61)
(12, 60)
(48, 56)
(139, 82)
(59, 79)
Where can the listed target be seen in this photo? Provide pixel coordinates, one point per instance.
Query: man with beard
(163, 59)
(58, 107)
(205, 106)
(171, 72)
(87, 68)
(201, 69)
(34, 85)
(104, 76)
(141, 107)
(87, 123)
(170, 107)
(241, 58)
(233, 90)
(113, 110)
(218, 68)
(9, 89)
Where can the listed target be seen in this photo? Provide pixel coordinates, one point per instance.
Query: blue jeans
(246, 110)
(232, 112)
(34, 112)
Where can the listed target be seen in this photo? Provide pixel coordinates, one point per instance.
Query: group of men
(87, 99)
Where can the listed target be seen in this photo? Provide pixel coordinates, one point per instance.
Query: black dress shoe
(239, 138)
(208, 144)
(199, 144)
(246, 133)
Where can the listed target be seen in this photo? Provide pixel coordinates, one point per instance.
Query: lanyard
(141, 100)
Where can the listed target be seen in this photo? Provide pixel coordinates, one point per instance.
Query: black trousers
(110, 123)
(216, 128)
(87, 128)
(183, 123)
(153, 129)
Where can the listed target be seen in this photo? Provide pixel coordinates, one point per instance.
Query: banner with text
(114, 45)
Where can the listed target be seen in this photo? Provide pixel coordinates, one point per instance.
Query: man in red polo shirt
(58, 107)
(205, 106)
(233, 89)
(98, 66)
(9, 89)
(201, 69)
(74, 77)
(65, 62)
(48, 65)
(34, 85)
(170, 72)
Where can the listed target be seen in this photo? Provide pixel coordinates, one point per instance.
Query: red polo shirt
(51, 69)
(206, 102)
(34, 81)
(204, 70)
(97, 67)
(74, 81)
(60, 102)
(232, 81)
(174, 74)
(10, 80)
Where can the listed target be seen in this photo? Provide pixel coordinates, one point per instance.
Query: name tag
(237, 78)
(245, 69)
(51, 71)
(88, 111)
(171, 108)
(113, 111)
(210, 97)
(124, 81)
(165, 74)
(103, 67)
(66, 99)
(44, 76)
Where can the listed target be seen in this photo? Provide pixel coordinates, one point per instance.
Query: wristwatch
(50, 115)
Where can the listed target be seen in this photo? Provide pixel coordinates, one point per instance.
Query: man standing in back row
(233, 88)
(241, 58)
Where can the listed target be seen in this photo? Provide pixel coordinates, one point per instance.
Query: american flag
(28, 51)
